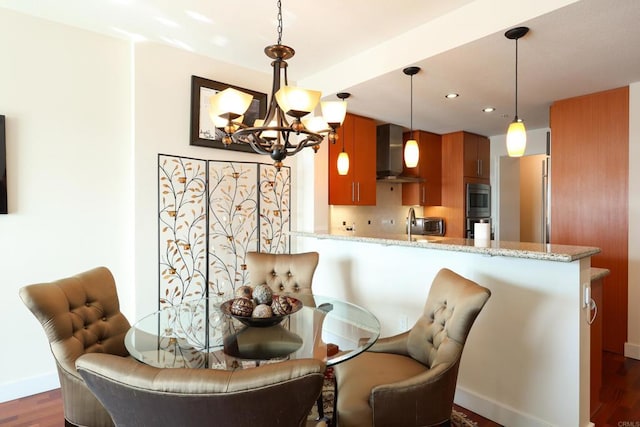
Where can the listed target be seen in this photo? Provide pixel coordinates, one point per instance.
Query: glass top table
(197, 334)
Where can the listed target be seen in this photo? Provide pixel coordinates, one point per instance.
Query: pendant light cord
(411, 107)
(516, 117)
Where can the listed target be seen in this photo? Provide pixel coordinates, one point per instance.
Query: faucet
(411, 220)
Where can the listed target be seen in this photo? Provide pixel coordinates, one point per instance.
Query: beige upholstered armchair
(284, 273)
(410, 379)
(137, 395)
(79, 314)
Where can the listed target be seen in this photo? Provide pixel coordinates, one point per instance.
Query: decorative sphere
(263, 294)
(262, 311)
(281, 306)
(244, 292)
(242, 307)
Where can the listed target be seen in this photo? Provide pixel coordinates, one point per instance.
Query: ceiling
(581, 48)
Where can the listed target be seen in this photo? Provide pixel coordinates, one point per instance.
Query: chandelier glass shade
(516, 133)
(288, 126)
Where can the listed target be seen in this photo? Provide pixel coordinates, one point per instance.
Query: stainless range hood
(389, 155)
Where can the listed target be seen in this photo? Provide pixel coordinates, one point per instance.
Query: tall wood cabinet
(358, 187)
(465, 159)
(590, 193)
(428, 192)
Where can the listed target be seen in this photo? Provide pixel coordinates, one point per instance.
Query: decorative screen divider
(210, 214)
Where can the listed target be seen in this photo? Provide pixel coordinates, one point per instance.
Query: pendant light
(516, 134)
(411, 150)
(343, 157)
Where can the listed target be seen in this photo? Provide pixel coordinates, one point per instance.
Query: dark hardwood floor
(620, 399)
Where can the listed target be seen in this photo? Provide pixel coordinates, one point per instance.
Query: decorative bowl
(261, 322)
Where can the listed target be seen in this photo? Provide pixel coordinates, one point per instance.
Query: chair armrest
(396, 344)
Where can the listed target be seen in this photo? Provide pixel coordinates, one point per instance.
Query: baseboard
(632, 350)
(495, 411)
(29, 386)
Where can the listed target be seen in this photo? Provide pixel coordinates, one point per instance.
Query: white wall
(87, 116)
(162, 114)
(65, 94)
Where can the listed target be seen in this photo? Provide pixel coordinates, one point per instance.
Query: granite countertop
(540, 251)
(599, 273)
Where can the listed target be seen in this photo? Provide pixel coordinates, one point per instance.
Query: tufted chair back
(452, 306)
(284, 273)
(79, 314)
(410, 379)
(275, 394)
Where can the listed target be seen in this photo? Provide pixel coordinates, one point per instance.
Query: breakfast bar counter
(527, 358)
(539, 251)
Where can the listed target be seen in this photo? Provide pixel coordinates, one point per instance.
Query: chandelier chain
(279, 22)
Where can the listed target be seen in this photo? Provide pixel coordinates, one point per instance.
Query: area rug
(458, 419)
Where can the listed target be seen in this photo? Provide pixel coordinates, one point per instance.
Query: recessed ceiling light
(451, 95)
(488, 109)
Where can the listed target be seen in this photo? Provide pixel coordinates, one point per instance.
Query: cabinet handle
(480, 167)
(424, 196)
(353, 191)
(358, 191)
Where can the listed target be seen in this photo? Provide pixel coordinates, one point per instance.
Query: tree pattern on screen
(211, 213)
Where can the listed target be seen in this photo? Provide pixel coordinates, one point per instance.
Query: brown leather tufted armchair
(284, 273)
(278, 394)
(410, 379)
(79, 314)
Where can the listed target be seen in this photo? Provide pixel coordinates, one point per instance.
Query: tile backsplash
(388, 216)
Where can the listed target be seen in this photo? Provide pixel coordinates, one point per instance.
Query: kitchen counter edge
(538, 251)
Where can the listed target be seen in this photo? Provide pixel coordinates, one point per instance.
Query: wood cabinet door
(364, 154)
(429, 168)
(484, 158)
(470, 155)
(341, 186)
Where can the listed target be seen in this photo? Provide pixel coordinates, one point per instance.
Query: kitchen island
(526, 361)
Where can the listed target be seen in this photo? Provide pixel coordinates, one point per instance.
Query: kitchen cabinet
(476, 155)
(458, 169)
(358, 187)
(428, 192)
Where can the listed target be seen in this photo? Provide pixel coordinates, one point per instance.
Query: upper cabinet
(465, 159)
(358, 187)
(476, 156)
(428, 192)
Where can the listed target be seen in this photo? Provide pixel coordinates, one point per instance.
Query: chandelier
(287, 127)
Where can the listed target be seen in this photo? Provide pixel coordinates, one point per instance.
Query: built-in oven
(478, 200)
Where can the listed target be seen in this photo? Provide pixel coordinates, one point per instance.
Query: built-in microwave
(478, 200)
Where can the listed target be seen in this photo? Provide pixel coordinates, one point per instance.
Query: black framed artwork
(3, 168)
(203, 132)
